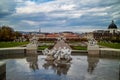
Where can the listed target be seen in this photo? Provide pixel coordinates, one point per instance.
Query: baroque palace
(111, 34)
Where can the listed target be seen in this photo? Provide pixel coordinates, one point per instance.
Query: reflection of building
(92, 62)
(32, 60)
(58, 68)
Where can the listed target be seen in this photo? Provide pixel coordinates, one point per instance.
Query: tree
(8, 34)
(17, 34)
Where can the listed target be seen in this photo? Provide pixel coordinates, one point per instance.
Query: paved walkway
(61, 44)
(12, 48)
(110, 49)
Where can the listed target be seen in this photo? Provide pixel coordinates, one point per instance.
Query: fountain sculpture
(93, 48)
(61, 52)
(92, 44)
(32, 46)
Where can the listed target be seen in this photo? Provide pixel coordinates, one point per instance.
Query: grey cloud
(7, 7)
(64, 18)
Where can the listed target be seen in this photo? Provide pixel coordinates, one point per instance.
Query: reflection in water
(119, 71)
(32, 59)
(93, 59)
(58, 68)
(16, 69)
(2, 71)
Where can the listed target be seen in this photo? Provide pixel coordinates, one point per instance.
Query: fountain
(61, 52)
(32, 46)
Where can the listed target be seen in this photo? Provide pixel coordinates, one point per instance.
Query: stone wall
(105, 53)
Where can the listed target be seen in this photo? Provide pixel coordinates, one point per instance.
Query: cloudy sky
(59, 15)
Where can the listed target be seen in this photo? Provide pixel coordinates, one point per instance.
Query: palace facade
(111, 34)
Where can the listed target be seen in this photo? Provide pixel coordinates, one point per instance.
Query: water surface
(81, 68)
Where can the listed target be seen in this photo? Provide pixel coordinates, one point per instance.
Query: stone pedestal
(93, 52)
(94, 47)
(31, 48)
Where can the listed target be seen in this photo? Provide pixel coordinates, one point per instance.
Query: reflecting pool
(34, 67)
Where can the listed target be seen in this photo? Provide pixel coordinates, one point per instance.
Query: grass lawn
(11, 44)
(79, 47)
(43, 47)
(73, 47)
(110, 45)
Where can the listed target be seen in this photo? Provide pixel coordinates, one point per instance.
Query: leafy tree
(8, 34)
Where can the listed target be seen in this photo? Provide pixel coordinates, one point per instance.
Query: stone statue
(58, 55)
(61, 52)
(92, 42)
(33, 45)
(33, 40)
(92, 45)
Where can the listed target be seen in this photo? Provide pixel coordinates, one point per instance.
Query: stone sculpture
(92, 44)
(61, 52)
(32, 46)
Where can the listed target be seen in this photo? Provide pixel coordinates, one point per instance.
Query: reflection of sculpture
(58, 68)
(32, 60)
(62, 69)
(61, 52)
(92, 62)
(49, 64)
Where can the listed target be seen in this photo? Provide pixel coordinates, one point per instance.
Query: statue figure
(92, 44)
(33, 40)
(33, 45)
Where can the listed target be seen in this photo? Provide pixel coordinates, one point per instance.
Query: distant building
(70, 35)
(52, 36)
(111, 34)
(87, 35)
